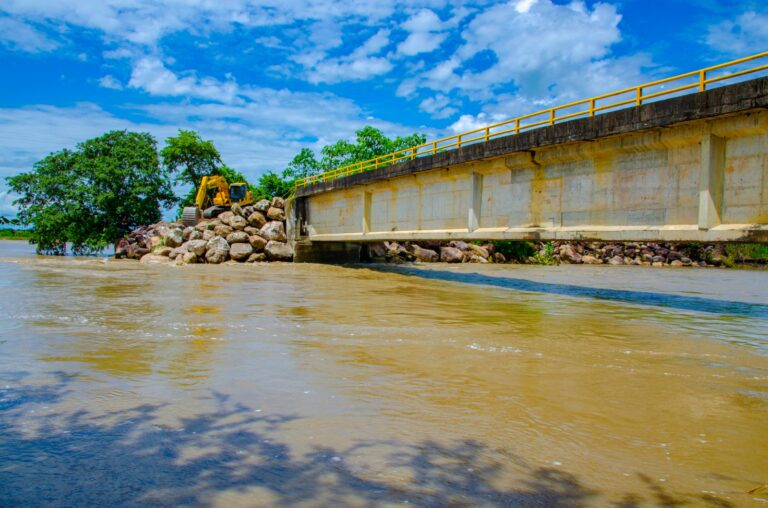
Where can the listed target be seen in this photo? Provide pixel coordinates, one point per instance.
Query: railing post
(413, 153)
(639, 97)
(487, 133)
(434, 148)
(458, 141)
(552, 116)
(517, 126)
(702, 81)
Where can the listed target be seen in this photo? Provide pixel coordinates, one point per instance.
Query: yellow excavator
(214, 196)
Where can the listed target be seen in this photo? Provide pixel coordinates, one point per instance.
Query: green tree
(271, 184)
(91, 196)
(190, 157)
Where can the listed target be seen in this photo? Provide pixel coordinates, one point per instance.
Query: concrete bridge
(689, 168)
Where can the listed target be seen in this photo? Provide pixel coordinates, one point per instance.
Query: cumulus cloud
(741, 36)
(151, 75)
(425, 33)
(110, 82)
(362, 63)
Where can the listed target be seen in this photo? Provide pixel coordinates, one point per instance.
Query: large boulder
(195, 235)
(275, 213)
(225, 217)
(257, 220)
(274, 230)
(238, 223)
(257, 242)
(262, 206)
(240, 251)
(476, 250)
(591, 260)
(277, 202)
(121, 248)
(458, 244)
(237, 237)
(451, 255)
(223, 230)
(208, 234)
(257, 257)
(189, 258)
(474, 258)
(237, 210)
(186, 232)
(217, 250)
(198, 247)
(425, 255)
(163, 251)
(278, 251)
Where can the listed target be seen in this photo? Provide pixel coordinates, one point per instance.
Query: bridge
(681, 159)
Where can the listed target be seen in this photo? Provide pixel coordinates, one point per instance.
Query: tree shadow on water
(129, 458)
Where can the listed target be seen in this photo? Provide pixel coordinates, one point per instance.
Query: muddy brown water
(310, 385)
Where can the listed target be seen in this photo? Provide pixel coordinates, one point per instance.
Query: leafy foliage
(370, 142)
(518, 251)
(270, 185)
(91, 196)
(191, 157)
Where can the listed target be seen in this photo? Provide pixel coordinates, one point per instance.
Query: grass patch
(746, 253)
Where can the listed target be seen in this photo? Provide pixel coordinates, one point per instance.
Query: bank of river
(290, 384)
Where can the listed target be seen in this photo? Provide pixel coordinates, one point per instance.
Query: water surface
(310, 385)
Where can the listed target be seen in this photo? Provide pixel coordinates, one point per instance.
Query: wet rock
(174, 238)
(154, 259)
(163, 251)
(189, 258)
(257, 257)
(240, 251)
(616, 260)
(425, 255)
(498, 257)
(223, 230)
(657, 259)
(262, 206)
(569, 255)
(275, 213)
(278, 251)
(197, 247)
(451, 255)
(217, 250)
(476, 250)
(257, 242)
(686, 261)
(590, 260)
(474, 258)
(237, 237)
(676, 263)
(257, 220)
(121, 248)
(278, 202)
(274, 230)
(657, 264)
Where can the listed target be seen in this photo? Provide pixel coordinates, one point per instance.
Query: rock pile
(646, 254)
(247, 234)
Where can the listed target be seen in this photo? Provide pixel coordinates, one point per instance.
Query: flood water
(310, 385)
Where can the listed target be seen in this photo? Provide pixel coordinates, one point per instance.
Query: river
(308, 385)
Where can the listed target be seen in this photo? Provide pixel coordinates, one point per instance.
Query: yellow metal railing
(635, 96)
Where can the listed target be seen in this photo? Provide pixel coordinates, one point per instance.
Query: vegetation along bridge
(679, 159)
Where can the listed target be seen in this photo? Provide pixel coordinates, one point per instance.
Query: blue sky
(264, 78)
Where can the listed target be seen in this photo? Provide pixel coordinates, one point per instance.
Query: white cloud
(425, 33)
(150, 75)
(110, 82)
(361, 64)
(438, 106)
(747, 33)
(19, 35)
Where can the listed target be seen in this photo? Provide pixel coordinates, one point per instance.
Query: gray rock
(163, 251)
(498, 257)
(274, 230)
(251, 230)
(257, 220)
(208, 234)
(278, 202)
(237, 210)
(257, 242)
(616, 260)
(197, 247)
(225, 217)
(189, 258)
(275, 213)
(217, 250)
(257, 257)
(238, 223)
(278, 251)
(223, 230)
(237, 237)
(195, 235)
(476, 250)
(262, 206)
(451, 255)
(676, 263)
(187, 232)
(686, 261)
(590, 260)
(458, 244)
(474, 258)
(657, 264)
(425, 255)
(240, 251)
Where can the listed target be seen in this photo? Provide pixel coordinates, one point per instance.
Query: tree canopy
(190, 157)
(89, 197)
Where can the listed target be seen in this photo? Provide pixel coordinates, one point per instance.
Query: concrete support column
(366, 225)
(711, 181)
(475, 201)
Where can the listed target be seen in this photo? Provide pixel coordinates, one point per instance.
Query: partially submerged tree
(91, 196)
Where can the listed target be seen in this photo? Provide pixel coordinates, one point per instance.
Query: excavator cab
(238, 192)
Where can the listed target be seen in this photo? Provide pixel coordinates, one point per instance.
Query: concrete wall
(704, 180)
